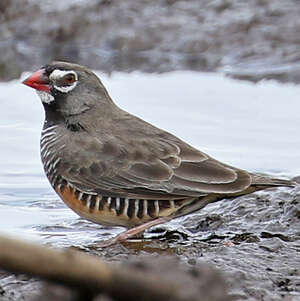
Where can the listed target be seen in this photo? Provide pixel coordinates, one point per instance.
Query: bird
(113, 168)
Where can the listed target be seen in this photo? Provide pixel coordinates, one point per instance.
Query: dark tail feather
(271, 182)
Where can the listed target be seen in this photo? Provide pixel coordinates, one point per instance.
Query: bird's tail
(261, 180)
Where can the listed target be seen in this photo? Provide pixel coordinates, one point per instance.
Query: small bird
(113, 168)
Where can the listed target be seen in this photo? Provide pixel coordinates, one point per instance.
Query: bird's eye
(69, 78)
(63, 80)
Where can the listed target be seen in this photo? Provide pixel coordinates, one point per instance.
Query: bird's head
(68, 88)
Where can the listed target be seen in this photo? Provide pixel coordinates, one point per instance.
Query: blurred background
(252, 39)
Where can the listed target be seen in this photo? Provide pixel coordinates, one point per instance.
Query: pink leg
(133, 231)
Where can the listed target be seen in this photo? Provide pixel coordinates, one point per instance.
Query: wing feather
(154, 166)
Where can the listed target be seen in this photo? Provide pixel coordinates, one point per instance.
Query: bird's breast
(51, 145)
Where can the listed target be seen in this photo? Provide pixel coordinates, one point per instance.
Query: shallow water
(254, 127)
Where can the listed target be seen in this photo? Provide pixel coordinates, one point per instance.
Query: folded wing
(161, 167)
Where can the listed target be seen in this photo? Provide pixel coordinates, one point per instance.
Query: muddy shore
(253, 241)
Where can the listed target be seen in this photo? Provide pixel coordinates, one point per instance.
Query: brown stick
(84, 272)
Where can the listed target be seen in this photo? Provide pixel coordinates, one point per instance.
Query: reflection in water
(251, 126)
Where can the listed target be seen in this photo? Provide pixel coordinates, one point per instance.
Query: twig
(83, 272)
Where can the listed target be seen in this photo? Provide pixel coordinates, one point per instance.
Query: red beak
(38, 80)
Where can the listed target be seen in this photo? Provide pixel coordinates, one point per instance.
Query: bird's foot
(132, 232)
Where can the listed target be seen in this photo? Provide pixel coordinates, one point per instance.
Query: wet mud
(253, 241)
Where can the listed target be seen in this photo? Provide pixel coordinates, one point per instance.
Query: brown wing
(162, 166)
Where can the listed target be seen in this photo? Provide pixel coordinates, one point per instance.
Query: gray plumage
(107, 151)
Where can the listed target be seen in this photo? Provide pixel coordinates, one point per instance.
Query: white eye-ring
(58, 75)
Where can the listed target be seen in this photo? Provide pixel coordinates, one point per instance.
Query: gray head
(68, 89)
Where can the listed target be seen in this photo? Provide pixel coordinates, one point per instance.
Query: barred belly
(116, 211)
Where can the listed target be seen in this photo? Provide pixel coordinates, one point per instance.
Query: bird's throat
(45, 96)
